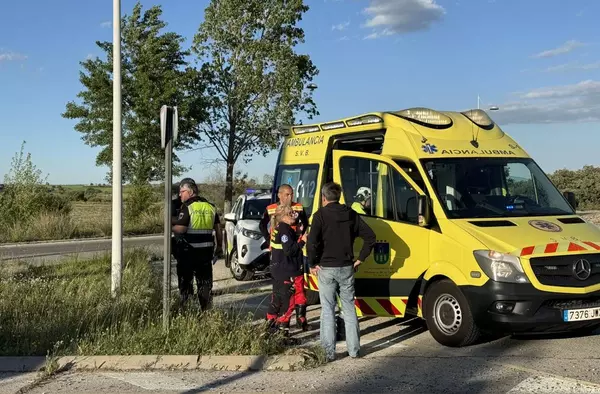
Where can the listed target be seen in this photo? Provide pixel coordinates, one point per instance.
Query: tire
(237, 271)
(448, 315)
(312, 297)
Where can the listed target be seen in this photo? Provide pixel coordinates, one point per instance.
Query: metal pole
(477, 101)
(117, 193)
(167, 235)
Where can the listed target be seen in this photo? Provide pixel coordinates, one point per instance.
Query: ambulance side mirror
(424, 210)
(570, 196)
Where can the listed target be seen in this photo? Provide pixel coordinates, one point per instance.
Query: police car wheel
(448, 315)
(238, 272)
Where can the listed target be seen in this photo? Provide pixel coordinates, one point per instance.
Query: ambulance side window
(406, 200)
(367, 187)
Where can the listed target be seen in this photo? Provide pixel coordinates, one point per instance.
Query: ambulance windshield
(494, 187)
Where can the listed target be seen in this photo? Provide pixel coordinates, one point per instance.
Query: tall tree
(154, 73)
(256, 80)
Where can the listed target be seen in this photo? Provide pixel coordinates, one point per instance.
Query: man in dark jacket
(331, 257)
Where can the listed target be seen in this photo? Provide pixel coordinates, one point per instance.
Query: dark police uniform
(286, 267)
(194, 250)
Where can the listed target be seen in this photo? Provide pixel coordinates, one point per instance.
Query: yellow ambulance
(472, 236)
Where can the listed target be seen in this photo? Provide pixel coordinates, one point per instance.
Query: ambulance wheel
(312, 297)
(236, 269)
(448, 315)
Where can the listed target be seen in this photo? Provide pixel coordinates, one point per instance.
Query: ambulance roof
(426, 122)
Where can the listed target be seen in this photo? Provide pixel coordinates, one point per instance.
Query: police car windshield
(255, 208)
(494, 187)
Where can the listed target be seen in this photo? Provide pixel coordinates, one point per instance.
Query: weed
(66, 309)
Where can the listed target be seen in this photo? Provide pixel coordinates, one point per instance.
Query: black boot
(271, 326)
(301, 321)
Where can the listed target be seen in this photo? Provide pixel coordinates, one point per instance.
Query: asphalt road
(71, 247)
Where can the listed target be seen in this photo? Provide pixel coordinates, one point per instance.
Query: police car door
(401, 254)
(230, 226)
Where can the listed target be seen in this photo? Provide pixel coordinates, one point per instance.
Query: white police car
(243, 239)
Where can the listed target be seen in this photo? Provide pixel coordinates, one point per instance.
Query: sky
(537, 60)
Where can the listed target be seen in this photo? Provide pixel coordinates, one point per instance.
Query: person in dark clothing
(193, 244)
(299, 226)
(331, 258)
(286, 266)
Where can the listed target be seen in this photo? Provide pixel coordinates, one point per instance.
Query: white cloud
(340, 26)
(106, 24)
(578, 102)
(567, 47)
(11, 56)
(388, 17)
(573, 67)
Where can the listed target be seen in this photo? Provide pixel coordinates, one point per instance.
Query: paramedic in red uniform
(286, 196)
(286, 266)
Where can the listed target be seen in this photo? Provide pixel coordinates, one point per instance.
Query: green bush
(140, 200)
(25, 195)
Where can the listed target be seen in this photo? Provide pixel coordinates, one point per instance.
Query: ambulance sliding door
(385, 280)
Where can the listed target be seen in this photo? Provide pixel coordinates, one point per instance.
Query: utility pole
(117, 179)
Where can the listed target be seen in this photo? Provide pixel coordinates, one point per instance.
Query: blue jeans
(330, 279)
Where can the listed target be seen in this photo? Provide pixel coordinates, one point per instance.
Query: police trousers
(195, 263)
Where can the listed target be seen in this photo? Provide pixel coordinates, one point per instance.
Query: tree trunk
(228, 187)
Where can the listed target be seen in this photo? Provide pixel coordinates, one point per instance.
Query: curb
(164, 362)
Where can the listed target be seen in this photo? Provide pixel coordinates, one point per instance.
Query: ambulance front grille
(561, 270)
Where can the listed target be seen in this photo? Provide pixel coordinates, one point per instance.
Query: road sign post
(168, 130)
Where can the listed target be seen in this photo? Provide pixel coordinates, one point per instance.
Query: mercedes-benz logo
(582, 269)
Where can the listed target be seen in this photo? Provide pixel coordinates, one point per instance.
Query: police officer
(194, 246)
(286, 196)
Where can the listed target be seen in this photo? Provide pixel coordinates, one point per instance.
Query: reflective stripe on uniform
(202, 222)
(200, 231)
(276, 246)
(202, 244)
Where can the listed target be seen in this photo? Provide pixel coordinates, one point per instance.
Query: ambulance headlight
(251, 234)
(501, 267)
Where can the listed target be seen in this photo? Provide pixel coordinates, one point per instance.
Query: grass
(66, 309)
(87, 219)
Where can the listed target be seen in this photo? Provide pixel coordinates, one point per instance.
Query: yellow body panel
(407, 253)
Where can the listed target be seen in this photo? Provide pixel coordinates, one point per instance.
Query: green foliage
(141, 199)
(25, 195)
(154, 73)
(584, 182)
(67, 309)
(255, 79)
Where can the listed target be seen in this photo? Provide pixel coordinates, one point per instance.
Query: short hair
(332, 192)
(285, 186)
(190, 183)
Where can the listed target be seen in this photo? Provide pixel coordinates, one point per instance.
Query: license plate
(581, 314)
